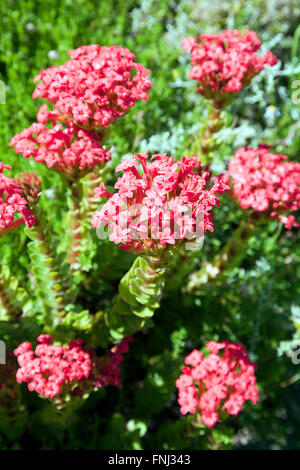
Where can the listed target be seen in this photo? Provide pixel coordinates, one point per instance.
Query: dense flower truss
(14, 210)
(266, 183)
(218, 384)
(68, 150)
(53, 370)
(225, 63)
(93, 88)
(167, 202)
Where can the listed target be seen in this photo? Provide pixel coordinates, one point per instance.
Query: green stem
(229, 257)
(76, 229)
(204, 144)
(90, 182)
(204, 141)
(140, 292)
(182, 265)
(51, 276)
(82, 205)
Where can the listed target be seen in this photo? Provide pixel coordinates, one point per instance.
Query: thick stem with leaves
(140, 291)
(183, 263)
(229, 257)
(82, 205)
(204, 141)
(75, 226)
(89, 183)
(50, 274)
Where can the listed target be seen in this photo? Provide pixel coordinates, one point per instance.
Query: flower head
(93, 88)
(218, 384)
(225, 63)
(165, 203)
(14, 205)
(266, 183)
(73, 370)
(31, 185)
(69, 150)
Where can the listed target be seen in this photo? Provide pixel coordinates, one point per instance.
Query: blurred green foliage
(258, 303)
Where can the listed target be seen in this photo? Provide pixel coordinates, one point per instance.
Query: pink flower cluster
(70, 150)
(217, 385)
(266, 183)
(13, 203)
(165, 203)
(53, 370)
(93, 88)
(225, 63)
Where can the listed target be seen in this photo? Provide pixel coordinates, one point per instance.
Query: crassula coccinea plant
(154, 211)
(222, 64)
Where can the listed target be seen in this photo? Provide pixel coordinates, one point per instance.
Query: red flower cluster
(217, 385)
(266, 183)
(93, 88)
(225, 63)
(13, 202)
(168, 202)
(70, 150)
(53, 370)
